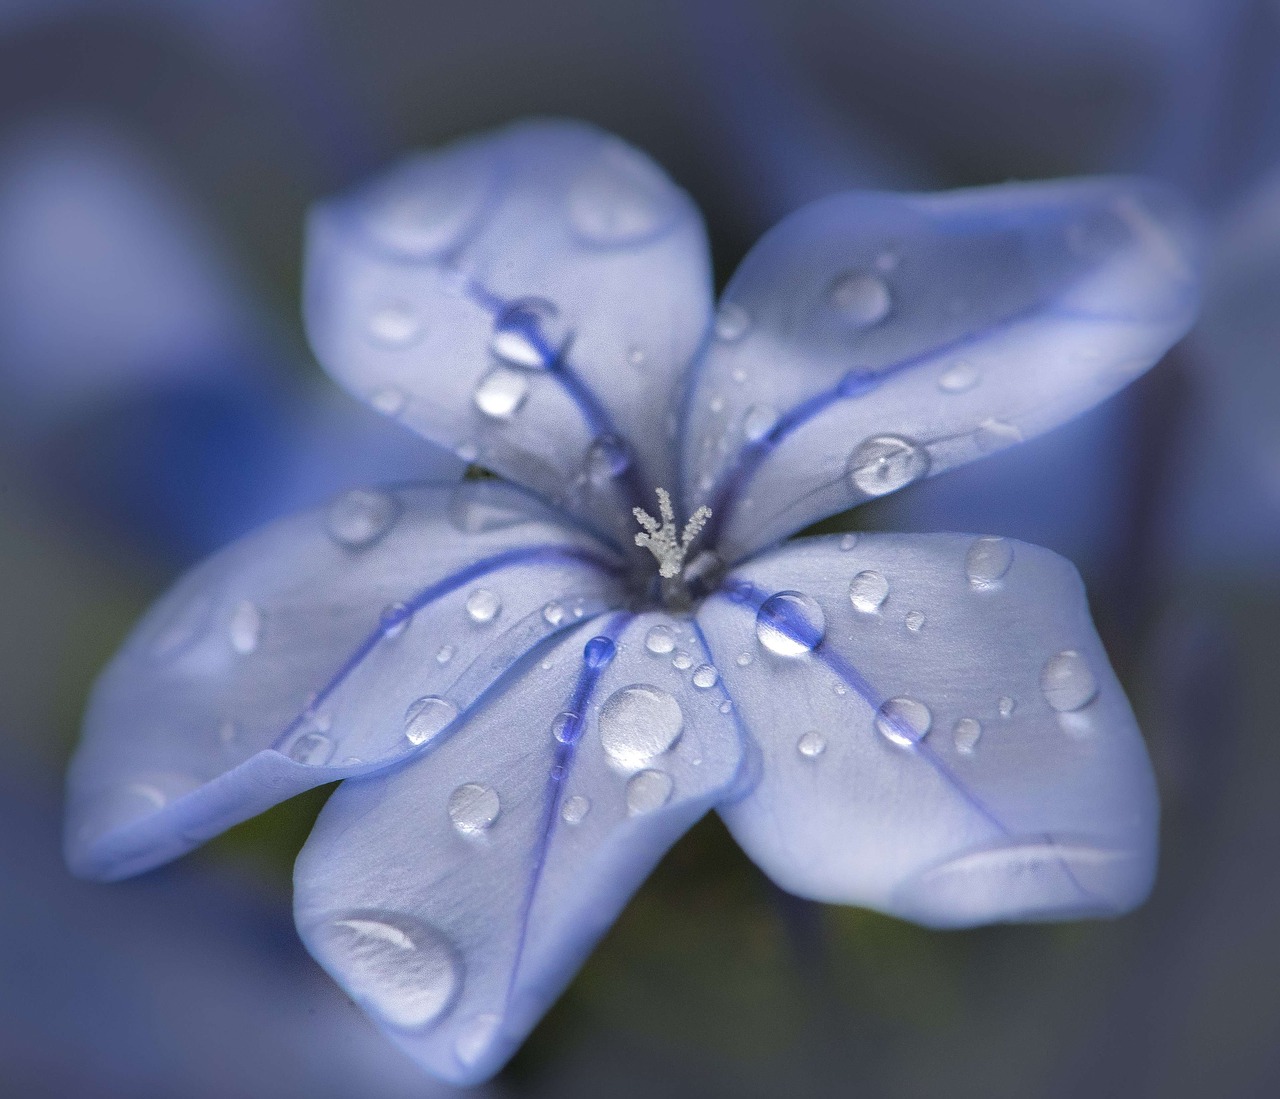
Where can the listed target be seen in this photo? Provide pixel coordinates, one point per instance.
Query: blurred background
(157, 400)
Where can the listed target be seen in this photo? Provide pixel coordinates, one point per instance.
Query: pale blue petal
(529, 298)
(304, 653)
(870, 340)
(455, 897)
(1004, 778)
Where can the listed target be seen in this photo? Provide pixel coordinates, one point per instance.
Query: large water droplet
(705, 676)
(575, 809)
(501, 392)
(868, 591)
(859, 298)
(966, 733)
(647, 791)
(426, 717)
(361, 517)
(758, 422)
(790, 624)
(988, 560)
(403, 970)
(1067, 682)
(904, 721)
(660, 640)
(639, 723)
(732, 322)
(959, 377)
(483, 606)
(393, 324)
(245, 628)
(811, 745)
(886, 463)
(620, 198)
(473, 808)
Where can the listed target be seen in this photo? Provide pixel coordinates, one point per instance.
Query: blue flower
(533, 686)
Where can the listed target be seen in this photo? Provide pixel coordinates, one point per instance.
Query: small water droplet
(725, 706)
(473, 808)
(859, 298)
(647, 791)
(636, 356)
(966, 733)
(607, 459)
(483, 606)
(848, 541)
(501, 392)
(445, 654)
(790, 624)
(811, 745)
(659, 640)
(598, 652)
(566, 727)
(732, 322)
(553, 613)
(758, 422)
(705, 676)
(575, 809)
(468, 451)
(995, 435)
(312, 748)
(475, 1036)
(426, 717)
(1067, 682)
(914, 621)
(987, 560)
(904, 721)
(528, 335)
(959, 377)
(245, 628)
(682, 661)
(394, 619)
(389, 401)
(743, 659)
(886, 463)
(868, 591)
(1006, 706)
(738, 375)
(393, 324)
(638, 723)
(361, 517)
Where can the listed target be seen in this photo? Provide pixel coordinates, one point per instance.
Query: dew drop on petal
(966, 733)
(483, 606)
(987, 560)
(758, 422)
(607, 459)
(790, 624)
(647, 791)
(245, 628)
(501, 392)
(566, 727)
(959, 377)
(1066, 681)
(473, 808)
(528, 334)
(914, 621)
(553, 614)
(361, 517)
(725, 706)
(393, 324)
(598, 652)
(620, 197)
(743, 659)
(313, 749)
(848, 541)
(426, 717)
(575, 809)
(732, 322)
(682, 661)
(904, 721)
(659, 640)
(811, 745)
(445, 654)
(389, 401)
(394, 619)
(402, 969)
(639, 723)
(859, 298)
(704, 676)
(1006, 706)
(885, 463)
(868, 591)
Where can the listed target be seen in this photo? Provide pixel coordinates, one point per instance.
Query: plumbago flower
(533, 688)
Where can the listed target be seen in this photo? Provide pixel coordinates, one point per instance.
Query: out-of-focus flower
(531, 701)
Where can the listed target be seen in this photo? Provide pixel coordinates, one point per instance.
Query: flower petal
(942, 737)
(870, 340)
(329, 644)
(455, 897)
(529, 298)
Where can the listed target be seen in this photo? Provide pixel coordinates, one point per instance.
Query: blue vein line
(432, 592)
(744, 594)
(566, 748)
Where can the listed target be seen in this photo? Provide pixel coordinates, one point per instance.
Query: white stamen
(660, 538)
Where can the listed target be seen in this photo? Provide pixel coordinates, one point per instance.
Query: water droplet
(959, 377)
(738, 375)
(528, 334)
(389, 401)
(659, 640)
(312, 748)
(394, 325)
(732, 322)
(725, 706)
(966, 733)
(426, 717)
(638, 723)
(682, 661)
(621, 197)
(914, 621)
(904, 721)
(598, 652)
(758, 422)
(988, 560)
(566, 727)
(995, 435)
(483, 606)
(857, 382)
(361, 517)
(607, 458)
(886, 463)
(402, 969)
(860, 299)
(790, 624)
(811, 745)
(705, 676)
(636, 356)
(394, 619)
(468, 451)
(647, 791)
(553, 613)
(868, 591)
(501, 392)
(245, 628)
(473, 808)
(1006, 706)
(848, 541)
(445, 654)
(575, 809)
(1067, 682)
(743, 659)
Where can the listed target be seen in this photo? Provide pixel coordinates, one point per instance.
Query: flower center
(671, 547)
